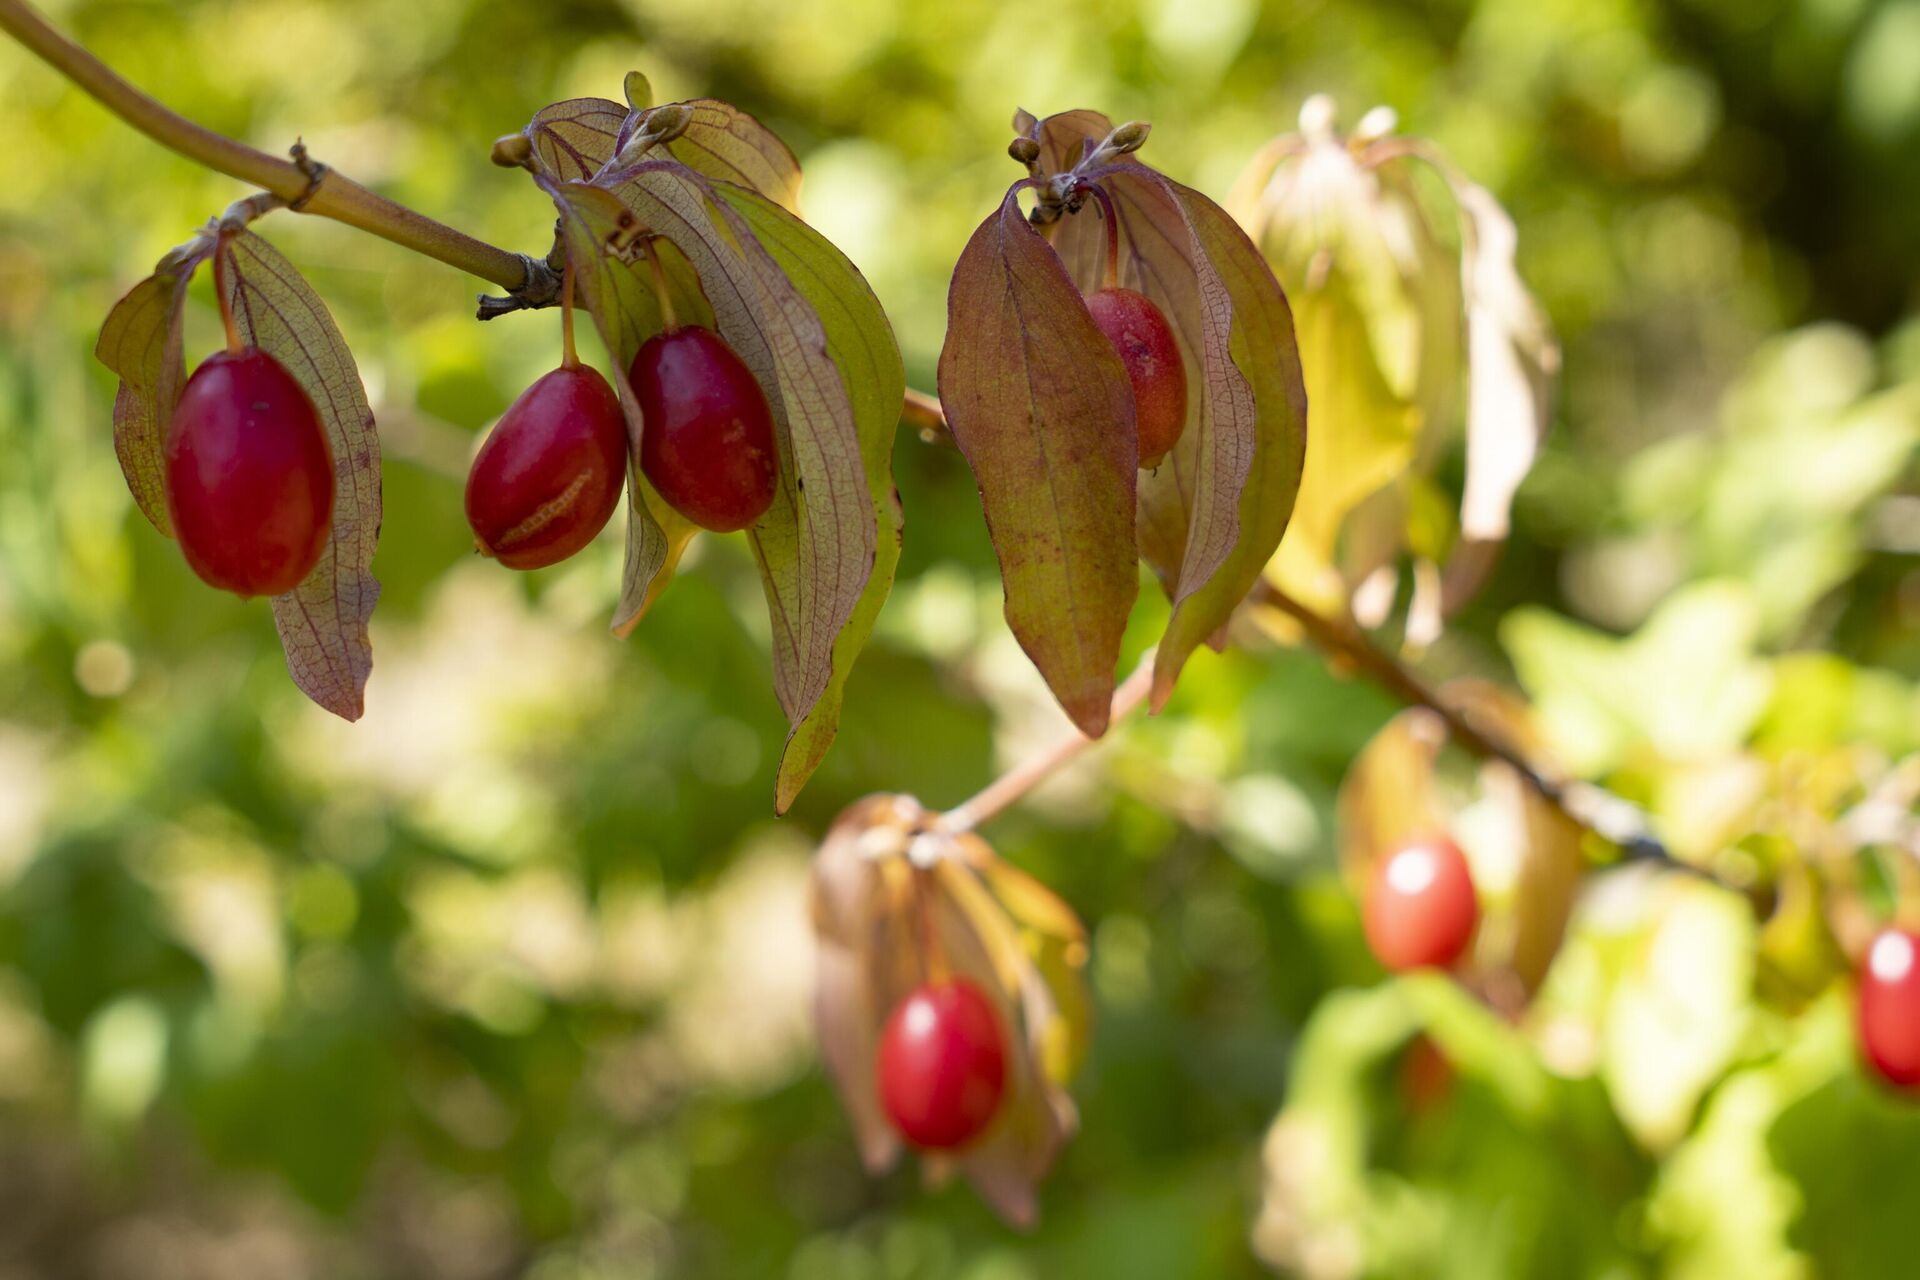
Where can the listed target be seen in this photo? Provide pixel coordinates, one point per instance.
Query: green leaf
(816, 545)
(601, 237)
(861, 345)
(1040, 404)
(141, 341)
(323, 621)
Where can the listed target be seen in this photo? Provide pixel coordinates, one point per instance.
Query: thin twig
(923, 413)
(303, 184)
(1606, 815)
(1014, 784)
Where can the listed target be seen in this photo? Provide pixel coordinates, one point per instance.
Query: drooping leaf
(141, 341)
(816, 545)
(1512, 362)
(1220, 502)
(1040, 404)
(861, 345)
(614, 285)
(323, 621)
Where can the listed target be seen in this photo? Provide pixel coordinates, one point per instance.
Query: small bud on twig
(515, 151)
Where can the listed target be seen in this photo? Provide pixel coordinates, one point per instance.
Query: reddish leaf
(323, 621)
(1040, 404)
(141, 341)
(573, 141)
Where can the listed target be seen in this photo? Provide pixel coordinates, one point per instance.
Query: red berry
(249, 475)
(1420, 908)
(706, 442)
(942, 1064)
(1145, 341)
(1890, 1006)
(549, 476)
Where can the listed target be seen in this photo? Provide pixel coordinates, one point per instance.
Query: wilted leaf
(861, 345)
(141, 341)
(1040, 404)
(323, 621)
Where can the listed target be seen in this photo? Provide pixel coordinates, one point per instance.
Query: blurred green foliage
(508, 978)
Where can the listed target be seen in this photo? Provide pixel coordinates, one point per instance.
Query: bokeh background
(511, 977)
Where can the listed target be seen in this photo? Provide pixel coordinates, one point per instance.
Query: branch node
(540, 287)
(315, 172)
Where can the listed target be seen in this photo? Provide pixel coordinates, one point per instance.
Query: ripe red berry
(942, 1064)
(706, 443)
(1420, 909)
(549, 476)
(1890, 1006)
(249, 475)
(1140, 333)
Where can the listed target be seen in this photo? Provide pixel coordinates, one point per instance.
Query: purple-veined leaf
(861, 345)
(323, 621)
(141, 341)
(611, 278)
(1040, 404)
(573, 141)
(816, 544)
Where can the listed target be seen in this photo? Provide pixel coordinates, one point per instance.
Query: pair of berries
(250, 481)
(548, 478)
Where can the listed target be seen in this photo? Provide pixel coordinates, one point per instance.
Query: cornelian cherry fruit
(249, 475)
(1421, 910)
(706, 442)
(547, 479)
(942, 1065)
(1140, 333)
(1889, 1011)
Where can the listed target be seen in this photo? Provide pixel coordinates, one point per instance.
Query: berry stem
(1113, 234)
(221, 289)
(332, 196)
(569, 358)
(668, 319)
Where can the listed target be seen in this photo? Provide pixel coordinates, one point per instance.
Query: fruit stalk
(308, 189)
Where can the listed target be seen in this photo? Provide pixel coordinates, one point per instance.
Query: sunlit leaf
(574, 140)
(323, 621)
(141, 341)
(1040, 404)
(861, 345)
(611, 276)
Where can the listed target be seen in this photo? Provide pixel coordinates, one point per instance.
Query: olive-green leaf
(816, 544)
(601, 238)
(323, 621)
(861, 344)
(1040, 404)
(141, 341)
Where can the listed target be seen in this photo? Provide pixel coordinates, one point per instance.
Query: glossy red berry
(549, 475)
(1890, 1006)
(249, 475)
(1420, 909)
(942, 1065)
(1140, 333)
(706, 443)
